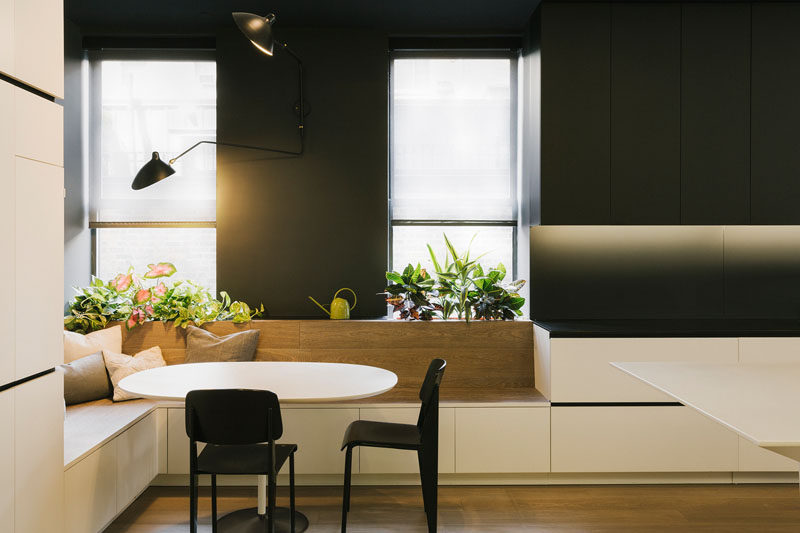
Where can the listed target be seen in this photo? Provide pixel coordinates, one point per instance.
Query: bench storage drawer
(639, 439)
(502, 439)
(91, 491)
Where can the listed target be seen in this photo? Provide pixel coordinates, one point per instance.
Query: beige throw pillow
(120, 366)
(203, 346)
(77, 345)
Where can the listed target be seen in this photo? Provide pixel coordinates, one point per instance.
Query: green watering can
(340, 308)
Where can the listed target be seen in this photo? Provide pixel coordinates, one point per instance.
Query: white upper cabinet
(7, 37)
(32, 43)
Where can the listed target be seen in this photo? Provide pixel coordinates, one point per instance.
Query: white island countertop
(759, 401)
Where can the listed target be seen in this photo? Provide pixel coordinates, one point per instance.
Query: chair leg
(348, 466)
(423, 480)
(213, 503)
(271, 493)
(291, 491)
(192, 503)
(432, 476)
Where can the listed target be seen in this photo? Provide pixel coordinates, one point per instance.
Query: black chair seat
(242, 459)
(383, 434)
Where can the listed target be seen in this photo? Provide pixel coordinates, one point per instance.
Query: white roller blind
(147, 106)
(451, 139)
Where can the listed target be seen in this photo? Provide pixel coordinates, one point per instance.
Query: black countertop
(702, 327)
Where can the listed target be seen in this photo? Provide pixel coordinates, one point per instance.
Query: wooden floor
(508, 509)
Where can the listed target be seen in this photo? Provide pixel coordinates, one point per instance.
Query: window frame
(93, 124)
(513, 55)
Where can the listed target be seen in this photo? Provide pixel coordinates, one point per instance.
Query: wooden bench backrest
(479, 354)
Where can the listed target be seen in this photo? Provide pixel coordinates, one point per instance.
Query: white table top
(760, 402)
(292, 382)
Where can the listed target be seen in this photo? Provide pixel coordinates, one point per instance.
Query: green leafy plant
(493, 300)
(129, 298)
(461, 288)
(455, 280)
(409, 293)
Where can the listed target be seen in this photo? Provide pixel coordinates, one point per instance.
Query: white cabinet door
(384, 461)
(502, 439)
(769, 350)
(7, 40)
(318, 434)
(91, 491)
(640, 439)
(38, 128)
(7, 460)
(137, 460)
(39, 454)
(39, 44)
(39, 264)
(7, 222)
(580, 369)
(753, 458)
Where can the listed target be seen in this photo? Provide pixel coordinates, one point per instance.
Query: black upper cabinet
(575, 168)
(775, 149)
(645, 113)
(715, 114)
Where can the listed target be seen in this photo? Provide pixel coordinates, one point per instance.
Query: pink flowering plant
(134, 300)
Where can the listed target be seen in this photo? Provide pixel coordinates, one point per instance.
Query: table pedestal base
(249, 521)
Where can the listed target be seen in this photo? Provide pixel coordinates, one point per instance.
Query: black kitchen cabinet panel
(775, 174)
(575, 172)
(645, 113)
(715, 114)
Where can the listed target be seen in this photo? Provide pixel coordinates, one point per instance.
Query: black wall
(669, 113)
(289, 227)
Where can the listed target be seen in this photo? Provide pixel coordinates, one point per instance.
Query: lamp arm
(300, 105)
(195, 145)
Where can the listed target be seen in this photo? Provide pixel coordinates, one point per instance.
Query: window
(453, 156)
(141, 104)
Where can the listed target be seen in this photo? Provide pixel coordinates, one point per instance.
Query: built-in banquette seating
(114, 451)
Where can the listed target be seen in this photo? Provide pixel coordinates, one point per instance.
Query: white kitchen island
(758, 401)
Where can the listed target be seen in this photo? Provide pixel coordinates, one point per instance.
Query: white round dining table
(292, 382)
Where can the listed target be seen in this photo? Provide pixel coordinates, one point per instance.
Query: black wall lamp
(259, 31)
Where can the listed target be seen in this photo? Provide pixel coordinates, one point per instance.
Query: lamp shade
(258, 29)
(152, 172)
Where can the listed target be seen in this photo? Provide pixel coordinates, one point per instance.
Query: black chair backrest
(429, 394)
(233, 416)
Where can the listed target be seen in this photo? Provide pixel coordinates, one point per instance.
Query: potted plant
(461, 288)
(131, 298)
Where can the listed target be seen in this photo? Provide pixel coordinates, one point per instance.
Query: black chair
(240, 428)
(422, 437)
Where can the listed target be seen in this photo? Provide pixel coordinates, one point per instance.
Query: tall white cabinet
(31, 271)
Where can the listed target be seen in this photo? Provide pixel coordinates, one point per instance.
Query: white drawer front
(137, 460)
(383, 461)
(318, 434)
(753, 458)
(769, 350)
(91, 491)
(502, 439)
(580, 369)
(639, 439)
